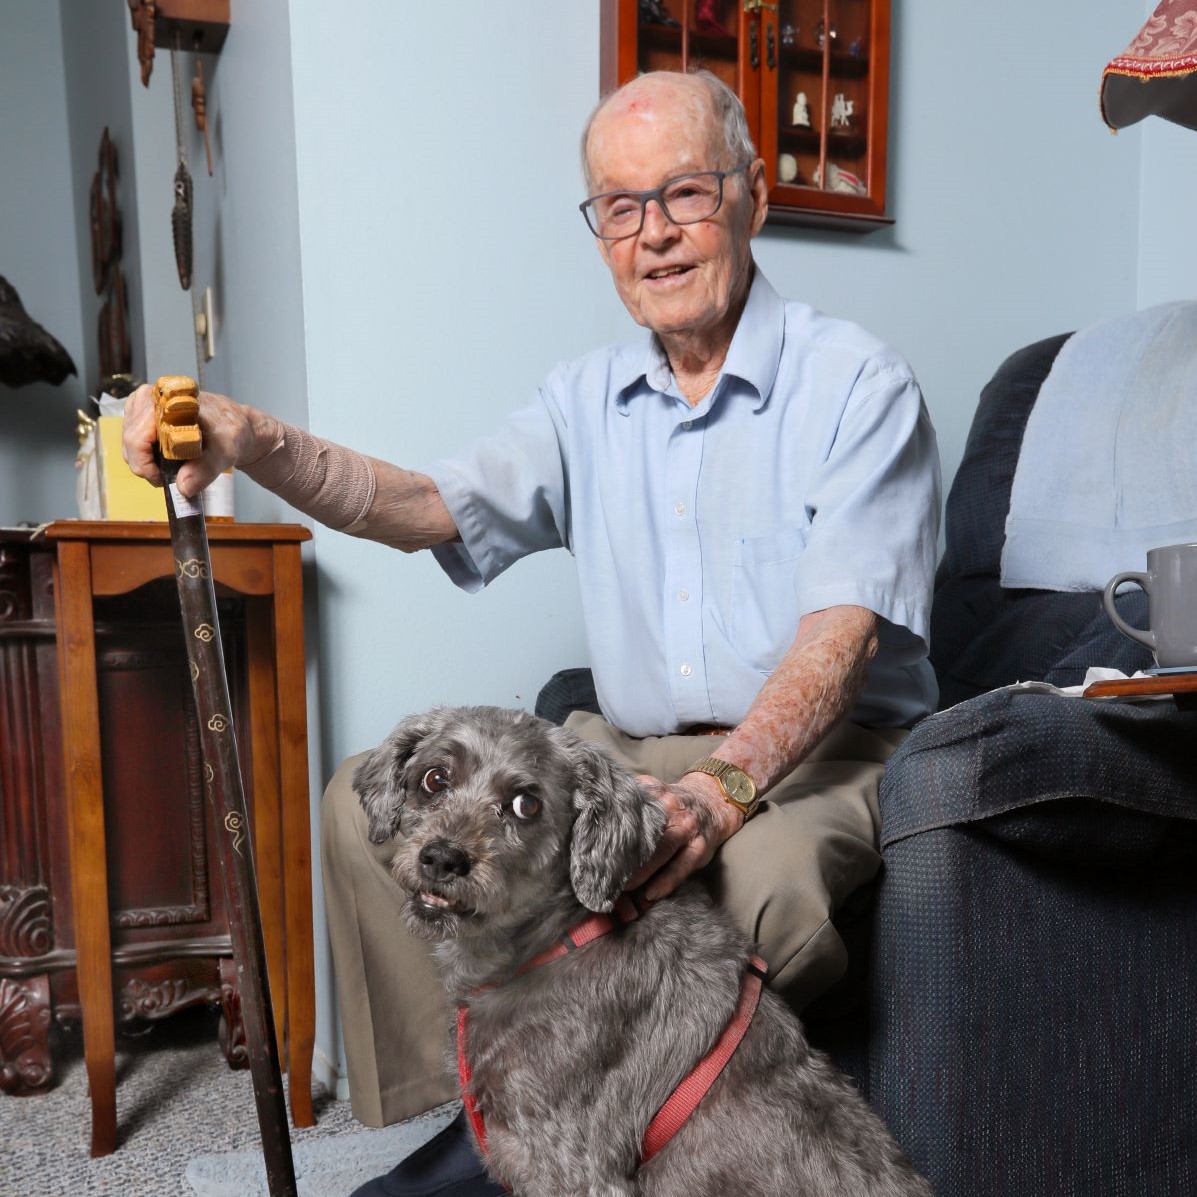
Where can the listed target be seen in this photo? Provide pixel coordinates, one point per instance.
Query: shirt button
(686, 671)
(686, 423)
(683, 595)
(679, 508)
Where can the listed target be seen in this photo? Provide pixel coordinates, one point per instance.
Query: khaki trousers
(783, 875)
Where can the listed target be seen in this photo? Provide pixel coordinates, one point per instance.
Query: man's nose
(657, 226)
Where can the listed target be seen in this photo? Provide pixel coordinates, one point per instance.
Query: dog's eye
(525, 806)
(435, 781)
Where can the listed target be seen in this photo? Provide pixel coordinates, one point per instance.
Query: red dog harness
(694, 1087)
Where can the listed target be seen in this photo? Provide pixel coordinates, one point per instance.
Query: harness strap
(669, 1119)
(464, 1077)
(628, 908)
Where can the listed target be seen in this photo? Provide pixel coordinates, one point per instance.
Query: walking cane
(176, 407)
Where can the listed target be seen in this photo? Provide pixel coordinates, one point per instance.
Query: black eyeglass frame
(658, 194)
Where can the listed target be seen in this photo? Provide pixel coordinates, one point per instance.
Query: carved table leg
(232, 1028)
(25, 1064)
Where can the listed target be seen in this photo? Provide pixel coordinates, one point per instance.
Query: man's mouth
(665, 272)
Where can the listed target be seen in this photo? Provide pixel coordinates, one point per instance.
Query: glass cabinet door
(814, 79)
(824, 85)
(684, 35)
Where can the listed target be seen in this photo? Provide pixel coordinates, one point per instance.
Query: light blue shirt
(807, 478)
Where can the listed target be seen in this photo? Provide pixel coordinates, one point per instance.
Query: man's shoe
(448, 1165)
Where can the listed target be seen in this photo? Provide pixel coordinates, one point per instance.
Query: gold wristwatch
(738, 788)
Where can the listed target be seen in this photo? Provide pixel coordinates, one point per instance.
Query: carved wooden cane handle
(176, 408)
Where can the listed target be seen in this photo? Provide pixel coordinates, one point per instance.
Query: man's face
(675, 278)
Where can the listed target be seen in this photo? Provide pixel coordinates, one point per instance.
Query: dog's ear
(378, 780)
(615, 831)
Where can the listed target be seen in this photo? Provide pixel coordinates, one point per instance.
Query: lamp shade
(1157, 73)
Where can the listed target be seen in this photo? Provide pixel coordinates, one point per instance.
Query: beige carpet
(178, 1103)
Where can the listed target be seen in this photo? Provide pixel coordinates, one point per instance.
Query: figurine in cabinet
(706, 20)
(801, 114)
(841, 180)
(841, 111)
(654, 12)
(787, 168)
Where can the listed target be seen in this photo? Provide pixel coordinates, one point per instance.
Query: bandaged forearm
(332, 484)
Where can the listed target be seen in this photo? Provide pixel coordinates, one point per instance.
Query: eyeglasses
(686, 199)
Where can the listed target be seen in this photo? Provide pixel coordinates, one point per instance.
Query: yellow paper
(125, 496)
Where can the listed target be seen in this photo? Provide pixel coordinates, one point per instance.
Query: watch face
(739, 785)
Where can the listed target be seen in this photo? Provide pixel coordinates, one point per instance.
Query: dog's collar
(627, 908)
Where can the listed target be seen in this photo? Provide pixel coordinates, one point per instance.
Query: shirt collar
(753, 356)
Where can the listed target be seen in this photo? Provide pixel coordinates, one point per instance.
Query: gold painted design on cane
(234, 826)
(217, 723)
(194, 672)
(204, 632)
(209, 773)
(193, 567)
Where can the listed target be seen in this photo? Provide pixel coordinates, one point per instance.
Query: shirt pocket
(763, 618)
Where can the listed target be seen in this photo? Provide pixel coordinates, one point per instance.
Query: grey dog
(511, 831)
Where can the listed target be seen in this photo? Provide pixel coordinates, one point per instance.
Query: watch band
(738, 788)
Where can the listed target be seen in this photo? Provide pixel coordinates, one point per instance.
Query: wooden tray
(1182, 685)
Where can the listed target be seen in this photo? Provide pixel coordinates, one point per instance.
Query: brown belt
(705, 729)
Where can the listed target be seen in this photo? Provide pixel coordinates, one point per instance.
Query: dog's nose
(441, 859)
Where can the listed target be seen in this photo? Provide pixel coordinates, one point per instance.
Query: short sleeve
(874, 505)
(507, 494)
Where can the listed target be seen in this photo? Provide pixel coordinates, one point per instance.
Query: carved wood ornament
(199, 101)
(112, 326)
(141, 16)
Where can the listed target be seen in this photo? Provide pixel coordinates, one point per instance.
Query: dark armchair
(1033, 1020)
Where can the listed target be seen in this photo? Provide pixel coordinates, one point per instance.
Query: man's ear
(378, 780)
(615, 831)
(758, 190)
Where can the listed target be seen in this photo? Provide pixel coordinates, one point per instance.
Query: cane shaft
(222, 775)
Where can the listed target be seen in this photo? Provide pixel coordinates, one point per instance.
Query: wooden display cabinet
(112, 901)
(828, 172)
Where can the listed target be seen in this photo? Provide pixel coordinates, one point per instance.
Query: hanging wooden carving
(180, 225)
(141, 16)
(199, 101)
(112, 323)
(112, 332)
(105, 216)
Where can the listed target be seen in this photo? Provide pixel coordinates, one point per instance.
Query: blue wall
(1167, 245)
(38, 256)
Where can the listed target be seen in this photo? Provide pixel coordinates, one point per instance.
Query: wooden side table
(261, 563)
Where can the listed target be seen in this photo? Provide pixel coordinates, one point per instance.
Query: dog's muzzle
(441, 864)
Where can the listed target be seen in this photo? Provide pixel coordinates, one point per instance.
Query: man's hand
(700, 819)
(233, 435)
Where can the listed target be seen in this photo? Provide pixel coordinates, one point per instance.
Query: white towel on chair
(1108, 465)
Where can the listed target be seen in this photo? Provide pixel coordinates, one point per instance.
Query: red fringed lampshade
(1157, 73)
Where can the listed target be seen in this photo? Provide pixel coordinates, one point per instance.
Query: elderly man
(751, 494)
